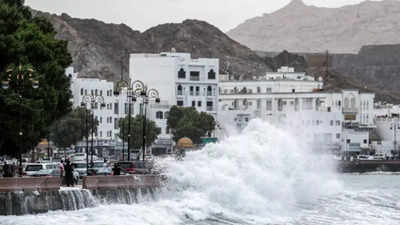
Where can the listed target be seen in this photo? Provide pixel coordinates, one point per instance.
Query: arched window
(180, 90)
(159, 115)
(181, 74)
(211, 75)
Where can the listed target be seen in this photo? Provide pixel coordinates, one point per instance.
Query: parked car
(136, 166)
(365, 157)
(99, 168)
(32, 168)
(379, 157)
(80, 167)
(49, 169)
(78, 157)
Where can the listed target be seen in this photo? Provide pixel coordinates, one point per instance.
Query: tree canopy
(73, 127)
(188, 122)
(136, 131)
(30, 42)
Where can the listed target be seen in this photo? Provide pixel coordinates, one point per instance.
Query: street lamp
(18, 79)
(147, 95)
(92, 101)
(134, 91)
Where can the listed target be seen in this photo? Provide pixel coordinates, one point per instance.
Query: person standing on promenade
(116, 170)
(69, 179)
(6, 170)
(61, 167)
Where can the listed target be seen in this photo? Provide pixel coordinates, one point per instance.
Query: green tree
(188, 122)
(136, 131)
(73, 127)
(29, 41)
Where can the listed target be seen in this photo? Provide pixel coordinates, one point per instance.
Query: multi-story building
(295, 98)
(180, 80)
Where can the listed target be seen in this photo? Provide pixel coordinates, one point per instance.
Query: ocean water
(264, 175)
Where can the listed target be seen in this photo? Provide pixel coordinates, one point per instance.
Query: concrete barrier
(29, 184)
(133, 181)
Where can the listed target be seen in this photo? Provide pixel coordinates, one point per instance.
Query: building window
(338, 136)
(191, 90)
(85, 91)
(337, 122)
(193, 103)
(197, 91)
(101, 92)
(331, 122)
(199, 104)
(209, 106)
(269, 90)
(258, 103)
(116, 108)
(126, 108)
(365, 141)
(211, 75)
(181, 74)
(209, 91)
(258, 90)
(293, 90)
(180, 91)
(116, 123)
(166, 115)
(81, 91)
(179, 103)
(159, 115)
(269, 105)
(194, 75)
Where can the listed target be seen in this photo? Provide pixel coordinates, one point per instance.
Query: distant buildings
(345, 121)
(333, 120)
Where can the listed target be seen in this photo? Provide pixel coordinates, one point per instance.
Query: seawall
(96, 190)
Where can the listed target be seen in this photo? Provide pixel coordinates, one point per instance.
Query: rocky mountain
(99, 48)
(303, 28)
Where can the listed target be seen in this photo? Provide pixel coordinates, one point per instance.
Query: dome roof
(184, 142)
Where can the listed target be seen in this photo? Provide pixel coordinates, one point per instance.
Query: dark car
(136, 167)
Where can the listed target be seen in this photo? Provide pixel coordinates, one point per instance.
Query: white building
(295, 98)
(180, 80)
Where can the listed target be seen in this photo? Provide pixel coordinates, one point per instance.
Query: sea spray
(261, 171)
(262, 175)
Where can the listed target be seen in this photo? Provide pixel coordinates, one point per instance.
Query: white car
(49, 169)
(32, 168)
(365, 157)
(80, 167)
(78, 157)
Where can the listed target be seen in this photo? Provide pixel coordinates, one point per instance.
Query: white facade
(388, 129)
(289, 97)
(180, 80)
(96, 87)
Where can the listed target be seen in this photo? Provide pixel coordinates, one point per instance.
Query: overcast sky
(143, 14)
